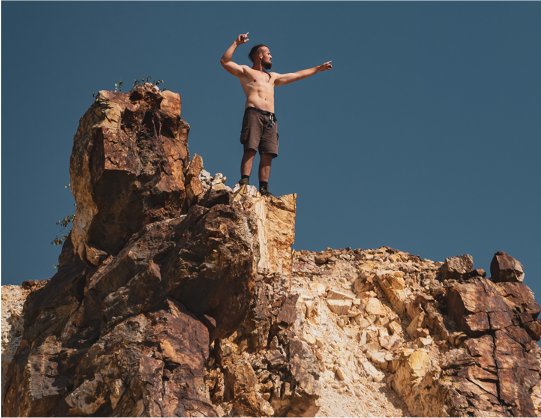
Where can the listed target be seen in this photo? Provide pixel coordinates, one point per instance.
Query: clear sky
(424, 137)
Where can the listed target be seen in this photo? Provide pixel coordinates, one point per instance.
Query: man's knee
(267, 158)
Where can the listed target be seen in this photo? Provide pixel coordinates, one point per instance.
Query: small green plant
(64, 223)
(118, 87)
(147, 80)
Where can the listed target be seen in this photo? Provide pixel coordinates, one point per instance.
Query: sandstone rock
(371, 371)
(375, 307)
(456, 268)
(322, 258)
(338, 295)
(415, 324)
(392, 283)
(394, 327)
(338, 306)
(505, 268)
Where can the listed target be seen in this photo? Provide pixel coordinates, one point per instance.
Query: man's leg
(265, 167)
(246, 163)
(264, 171)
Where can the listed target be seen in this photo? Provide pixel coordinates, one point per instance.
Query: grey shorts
(259, 131)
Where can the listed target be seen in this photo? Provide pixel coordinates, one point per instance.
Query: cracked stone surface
(179, 296)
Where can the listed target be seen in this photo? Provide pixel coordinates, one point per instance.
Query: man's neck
(258, 67)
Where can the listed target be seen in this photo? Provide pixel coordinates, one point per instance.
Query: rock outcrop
(179, 296)
(447, 340)
(128, 166)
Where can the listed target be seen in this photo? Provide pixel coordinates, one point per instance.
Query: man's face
(266, 58)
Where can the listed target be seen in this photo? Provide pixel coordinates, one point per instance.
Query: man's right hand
(242, 39)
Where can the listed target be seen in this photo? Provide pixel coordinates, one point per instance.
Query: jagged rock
(194, 186)
(197, 305)
(127, 166)
(392, 283)
(478, 273)
(505, 268)
(156, 274)
(456, 268)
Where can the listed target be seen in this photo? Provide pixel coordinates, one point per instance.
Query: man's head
(261, 53)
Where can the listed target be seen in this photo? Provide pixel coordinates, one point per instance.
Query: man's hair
(253, 52)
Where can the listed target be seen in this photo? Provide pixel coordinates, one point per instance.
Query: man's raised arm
(282, 79)
(230, 66)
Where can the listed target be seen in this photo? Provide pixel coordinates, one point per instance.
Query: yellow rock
(351, 332)
(374, 307)
(339, 307)
(309, 338)
(336, 294)
(394, 327)
(219, 186)
(425, 341)
(416, 323)
(317, 288)
(418, 363)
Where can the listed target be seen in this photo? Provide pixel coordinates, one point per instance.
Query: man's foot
(244, 182)
(265, 192)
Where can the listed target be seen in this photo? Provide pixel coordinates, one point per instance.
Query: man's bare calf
(264, 164)
(264, 168)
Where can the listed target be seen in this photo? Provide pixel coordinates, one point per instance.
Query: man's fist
(326, 66)
(242, 39)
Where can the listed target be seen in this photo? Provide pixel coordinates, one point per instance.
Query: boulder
(456, 268)
(505, 268)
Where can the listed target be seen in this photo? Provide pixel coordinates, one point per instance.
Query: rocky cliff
(177, 296)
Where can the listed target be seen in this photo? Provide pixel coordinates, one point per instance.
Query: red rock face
(127, 168)
(154, 274)
(501, 319)
(456, 268)
(133, 321)
(505, 268)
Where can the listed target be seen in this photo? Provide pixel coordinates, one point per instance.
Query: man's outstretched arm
(282, 79)
(230, 66)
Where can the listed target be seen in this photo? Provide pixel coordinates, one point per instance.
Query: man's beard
(267, 65)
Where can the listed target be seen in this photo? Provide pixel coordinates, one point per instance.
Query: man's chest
(258, 80)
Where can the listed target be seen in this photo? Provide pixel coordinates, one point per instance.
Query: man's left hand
(326, 66)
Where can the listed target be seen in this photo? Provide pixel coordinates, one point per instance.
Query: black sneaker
(244, 182)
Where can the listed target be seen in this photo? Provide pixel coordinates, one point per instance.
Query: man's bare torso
(259, 88)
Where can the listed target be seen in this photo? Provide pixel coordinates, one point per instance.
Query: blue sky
(424, 137)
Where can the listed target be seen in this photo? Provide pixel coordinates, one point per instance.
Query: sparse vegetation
(64, 232)
(118, 86)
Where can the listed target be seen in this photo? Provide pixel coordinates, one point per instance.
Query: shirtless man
(259, 125)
